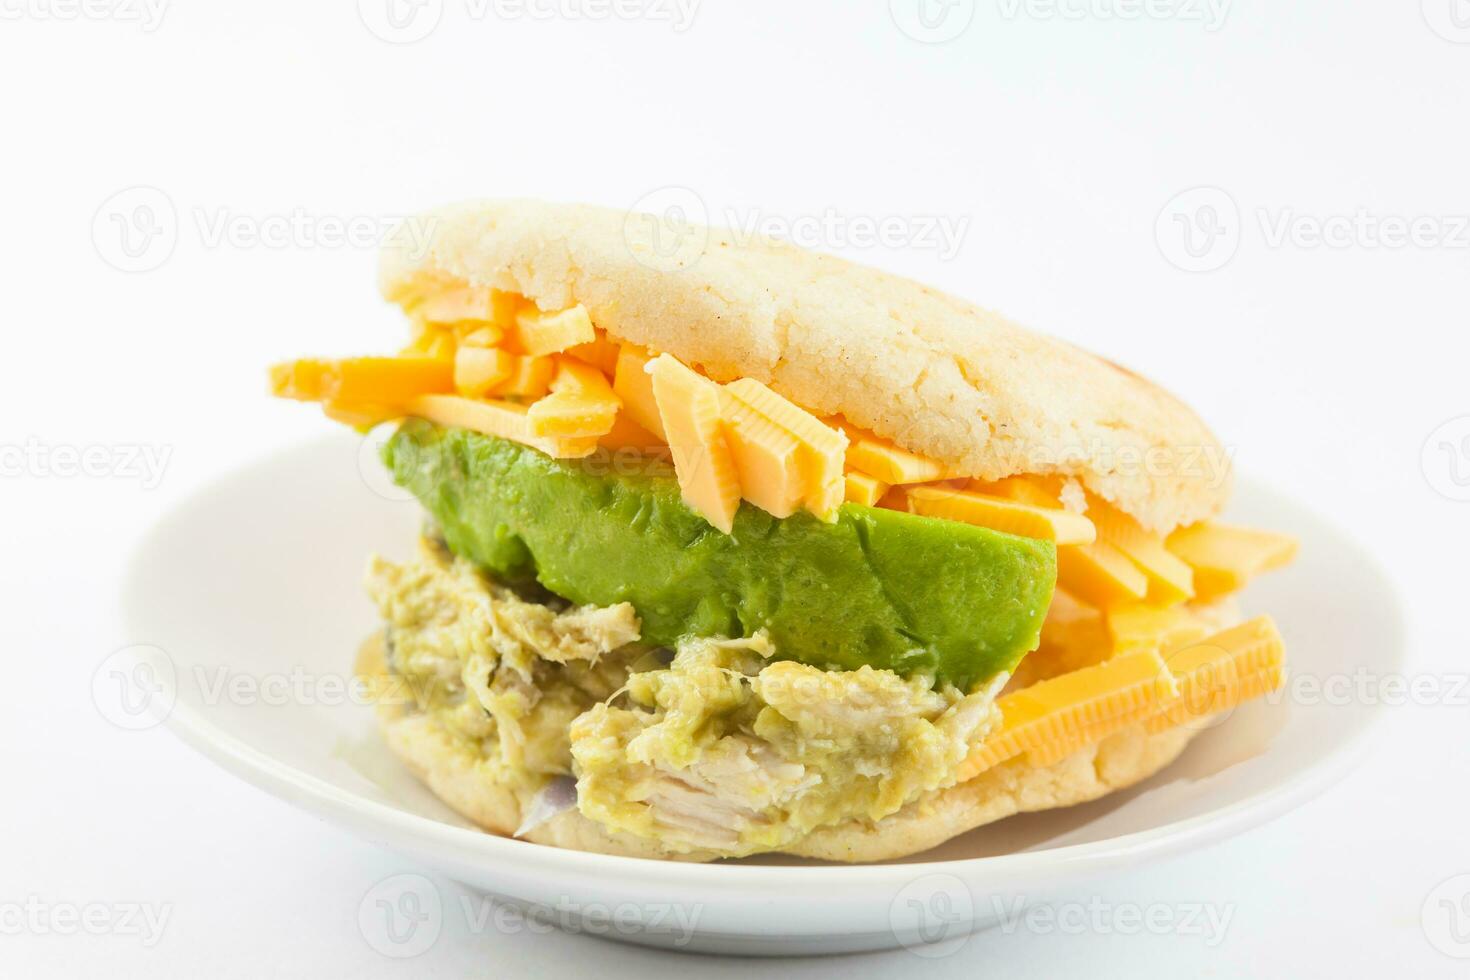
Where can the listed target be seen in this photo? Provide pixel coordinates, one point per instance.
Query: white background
(1058, 142)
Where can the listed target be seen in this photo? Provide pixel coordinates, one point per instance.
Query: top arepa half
(936, 374)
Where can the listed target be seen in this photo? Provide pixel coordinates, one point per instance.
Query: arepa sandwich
(758, 550)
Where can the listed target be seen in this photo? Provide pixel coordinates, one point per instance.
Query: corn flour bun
(935, 374)
(443, 764)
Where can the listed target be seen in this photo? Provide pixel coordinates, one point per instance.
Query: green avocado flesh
(879, 587)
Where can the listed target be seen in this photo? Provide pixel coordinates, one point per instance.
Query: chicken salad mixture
(716, 745)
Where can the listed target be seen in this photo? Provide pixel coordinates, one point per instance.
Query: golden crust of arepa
(932, 372)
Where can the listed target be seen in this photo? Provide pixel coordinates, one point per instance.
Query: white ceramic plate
(249, 600)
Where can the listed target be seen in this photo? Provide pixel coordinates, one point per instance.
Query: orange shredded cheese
(1053, 718)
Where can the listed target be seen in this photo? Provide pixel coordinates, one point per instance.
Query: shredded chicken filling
(501, 672)
(722, 749)
(726, 750)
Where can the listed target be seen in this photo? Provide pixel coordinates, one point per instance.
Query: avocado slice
(880, 587)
